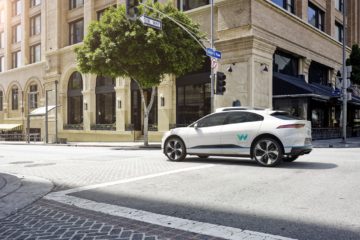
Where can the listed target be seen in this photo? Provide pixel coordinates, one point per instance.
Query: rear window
(285, 116)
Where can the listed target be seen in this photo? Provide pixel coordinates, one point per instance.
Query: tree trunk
(147, 109)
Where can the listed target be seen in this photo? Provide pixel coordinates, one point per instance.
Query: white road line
(107, 184)
(158, 219)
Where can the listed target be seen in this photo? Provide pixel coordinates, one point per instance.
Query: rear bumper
(296, 151)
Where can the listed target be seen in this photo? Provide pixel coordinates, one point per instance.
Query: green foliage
(118, 47)
(354, 61)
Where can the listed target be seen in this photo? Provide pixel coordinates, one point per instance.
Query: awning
(8, 127)
(286, 86)
(41, 111)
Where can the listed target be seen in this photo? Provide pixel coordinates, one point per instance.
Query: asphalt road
(315, 197)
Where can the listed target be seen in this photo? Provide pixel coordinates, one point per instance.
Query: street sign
(213, 53)
(151, 22)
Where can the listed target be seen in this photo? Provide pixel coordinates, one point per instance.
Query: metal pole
(344, 75)
(46, 117)
(28, 120)
(212, 46)
(56, 111)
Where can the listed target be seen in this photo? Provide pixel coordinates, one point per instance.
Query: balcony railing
(73, 127)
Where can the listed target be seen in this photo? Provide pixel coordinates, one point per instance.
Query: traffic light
(220, 83)
(132, 9)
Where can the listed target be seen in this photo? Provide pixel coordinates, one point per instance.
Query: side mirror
(196, 126)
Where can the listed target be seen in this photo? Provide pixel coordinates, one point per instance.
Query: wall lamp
(229, 69)
(264, 67)
(119, 103)
(162, 101)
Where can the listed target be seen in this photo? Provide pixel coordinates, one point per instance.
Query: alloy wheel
(267, 152)
(175, 149)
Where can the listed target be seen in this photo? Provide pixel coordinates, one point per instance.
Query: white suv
(267, 136)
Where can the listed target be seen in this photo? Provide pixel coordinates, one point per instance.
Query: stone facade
(248, 32)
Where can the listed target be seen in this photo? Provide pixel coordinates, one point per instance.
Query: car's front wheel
(267, 152)
(175, 149)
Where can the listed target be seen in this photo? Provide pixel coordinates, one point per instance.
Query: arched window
(14, 98)
(1, 100)
(33, 96)
(75, 99)
(105, 100)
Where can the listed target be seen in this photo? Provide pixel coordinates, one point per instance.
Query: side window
(242, 117)
(213, 120)
(236, 117)
(253, 117)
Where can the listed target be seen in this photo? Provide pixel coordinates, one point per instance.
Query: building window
(16, 7)
(14, 98)
(33, 96)
(339, 5)
(286, 4)
(105, 100)
(2, 40)
(193, 102)
(76, 31)
(35, 3)
(1, 100)
(75, 99)
(101, 12)
(35, 25)
(75, 3)
(339, 32)
(16, 59)
(185, 5)
(318, 73)
(16, 33)
(35, 53)
(2, 63)
(316, 16)
(286, 63)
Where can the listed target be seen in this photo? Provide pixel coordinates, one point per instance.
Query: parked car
(267, 136)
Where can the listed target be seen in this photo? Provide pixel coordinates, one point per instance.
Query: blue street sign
(213, 53)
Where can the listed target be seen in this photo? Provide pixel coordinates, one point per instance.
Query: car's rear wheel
(290, 158)
(175, 149)
(203, 156)
(267, 152)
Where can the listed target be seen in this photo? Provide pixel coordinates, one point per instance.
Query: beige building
(266, 45)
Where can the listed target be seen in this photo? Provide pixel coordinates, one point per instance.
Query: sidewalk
(337, 143)
(17, 192)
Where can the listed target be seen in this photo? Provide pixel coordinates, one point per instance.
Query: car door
(239, 131)
(203, 137)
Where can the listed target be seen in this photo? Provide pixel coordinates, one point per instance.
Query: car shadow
(252, 163)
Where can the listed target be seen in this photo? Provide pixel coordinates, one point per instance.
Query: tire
(290, 158)
(267, 152)
(175, 149)
(203, 156)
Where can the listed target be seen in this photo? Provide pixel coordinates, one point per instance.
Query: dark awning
(286, 86)
(355, 100)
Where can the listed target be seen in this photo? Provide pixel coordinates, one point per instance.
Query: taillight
(292, 126)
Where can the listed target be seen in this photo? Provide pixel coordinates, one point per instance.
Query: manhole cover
(21, 162)
(40, 165)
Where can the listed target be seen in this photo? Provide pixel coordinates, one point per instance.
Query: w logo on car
(242, 137)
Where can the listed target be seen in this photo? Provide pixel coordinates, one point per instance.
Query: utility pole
(344, 75)
(56, 111)
(212, 47)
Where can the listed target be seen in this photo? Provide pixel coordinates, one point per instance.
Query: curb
(20, 191)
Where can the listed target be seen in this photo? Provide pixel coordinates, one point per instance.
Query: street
(315, 197)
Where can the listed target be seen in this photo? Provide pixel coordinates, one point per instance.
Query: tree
(118, 47)
(354, 61)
